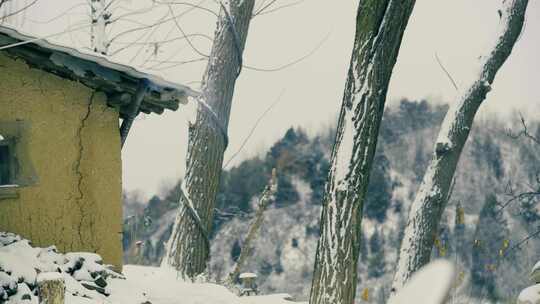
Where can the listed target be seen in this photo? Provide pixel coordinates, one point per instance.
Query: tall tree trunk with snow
(100, 19)
(379, 30)
(432, 196)
(188, 248)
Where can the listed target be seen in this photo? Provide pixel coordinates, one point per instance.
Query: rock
(73, 264)
(100, 281)
(429, 285)
(7, 282)
(91, 286)
(82, 275)
(529, 295)
(78, 264)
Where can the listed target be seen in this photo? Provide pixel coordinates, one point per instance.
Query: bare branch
(518, 245)
(294, 62)
(253, 129)
(178, 63)
(519, 197)
(17, 11)
(194, 6)
(64, 13)
(446, 72)
(69, 30)
(184, 34)
(524, 132)
(161, 42)
(133, 30)
(264, 7)
(268, 11)
(142, 46)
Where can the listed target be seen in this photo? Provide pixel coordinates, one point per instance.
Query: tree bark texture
(268, 195)
(380, 26)
(51, 288)
(432, 196)
(188, 248)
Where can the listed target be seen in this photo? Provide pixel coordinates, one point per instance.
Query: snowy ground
(161, 286)
(88, 281)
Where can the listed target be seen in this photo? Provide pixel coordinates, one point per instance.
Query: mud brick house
(60, 141)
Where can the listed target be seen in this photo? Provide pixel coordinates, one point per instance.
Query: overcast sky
(311, 91)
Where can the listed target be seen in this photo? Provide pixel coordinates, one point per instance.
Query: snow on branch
(432, 196)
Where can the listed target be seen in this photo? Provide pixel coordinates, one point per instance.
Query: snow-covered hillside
(493, 165)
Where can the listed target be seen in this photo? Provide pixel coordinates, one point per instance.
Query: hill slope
(491, 165)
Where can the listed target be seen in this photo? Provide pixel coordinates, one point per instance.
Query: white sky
(458, 31)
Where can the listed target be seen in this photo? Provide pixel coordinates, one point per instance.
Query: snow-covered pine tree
(376, 263)
(432, 196)
(188, 248)
(460, 244)
(489, 237)
(380, 187)
(379, 30)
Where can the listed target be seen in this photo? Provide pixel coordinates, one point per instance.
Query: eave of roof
(117, 80)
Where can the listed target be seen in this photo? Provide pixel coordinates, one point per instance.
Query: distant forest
(475, 231)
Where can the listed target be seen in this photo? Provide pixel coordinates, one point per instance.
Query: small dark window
(16, 169)
(8, 184)
(5, 164)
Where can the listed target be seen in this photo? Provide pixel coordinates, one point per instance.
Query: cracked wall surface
(74, 146)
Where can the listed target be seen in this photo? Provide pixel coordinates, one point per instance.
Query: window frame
(10, 190)
(9, 143)
(16, 134)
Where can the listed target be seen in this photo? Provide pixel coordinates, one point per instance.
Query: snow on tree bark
(100, 19)
(267, 196)
(432, 196)
(188, 247)
(379, 30)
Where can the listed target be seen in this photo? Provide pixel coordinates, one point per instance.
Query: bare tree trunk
(51, 288)
(432, 196)
(266, 197)
(100, 19)
(188, 248)
(379, 30)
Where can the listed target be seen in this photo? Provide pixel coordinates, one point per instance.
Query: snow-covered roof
(96, 71)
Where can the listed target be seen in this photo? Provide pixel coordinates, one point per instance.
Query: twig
(18, 11)
(519, 197)
(194, 6)
(58, 16)
(253, 129)
(530, 236)
(184, 34)
(294, 62)
(446, 72)
(524, 132)
(278, 8)
(264, 7)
